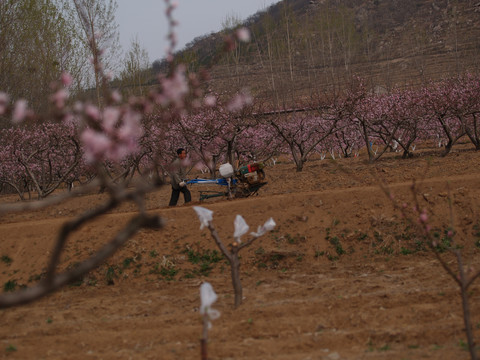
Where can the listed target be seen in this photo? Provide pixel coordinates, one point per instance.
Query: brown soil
(385, 298)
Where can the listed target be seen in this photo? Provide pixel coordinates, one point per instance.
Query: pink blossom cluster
(117, 134)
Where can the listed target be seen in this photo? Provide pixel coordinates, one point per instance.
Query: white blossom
(204, 215)
(269, 224)
(261, 230)
(207, 298)
(241, 228)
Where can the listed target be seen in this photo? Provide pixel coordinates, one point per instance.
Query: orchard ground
(341, 277)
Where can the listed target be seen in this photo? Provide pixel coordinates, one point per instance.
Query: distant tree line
(40, 39)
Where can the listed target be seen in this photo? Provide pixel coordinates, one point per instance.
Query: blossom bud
(423, 217)
(67, 79)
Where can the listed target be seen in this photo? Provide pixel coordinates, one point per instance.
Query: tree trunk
(237, 285)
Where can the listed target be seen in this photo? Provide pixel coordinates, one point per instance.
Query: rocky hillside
(304, 47)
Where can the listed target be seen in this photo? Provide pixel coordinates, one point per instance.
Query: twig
(461, 279)
(56, 281)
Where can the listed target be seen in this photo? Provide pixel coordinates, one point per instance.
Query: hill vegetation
(298, 49)
(303, 47)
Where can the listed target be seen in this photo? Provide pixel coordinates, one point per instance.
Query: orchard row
(136, 139)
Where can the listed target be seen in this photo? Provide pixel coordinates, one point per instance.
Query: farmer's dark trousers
(176, 194)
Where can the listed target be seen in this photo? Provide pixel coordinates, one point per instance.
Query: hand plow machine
(244, 182)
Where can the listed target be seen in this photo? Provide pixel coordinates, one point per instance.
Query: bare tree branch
(55, 282)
